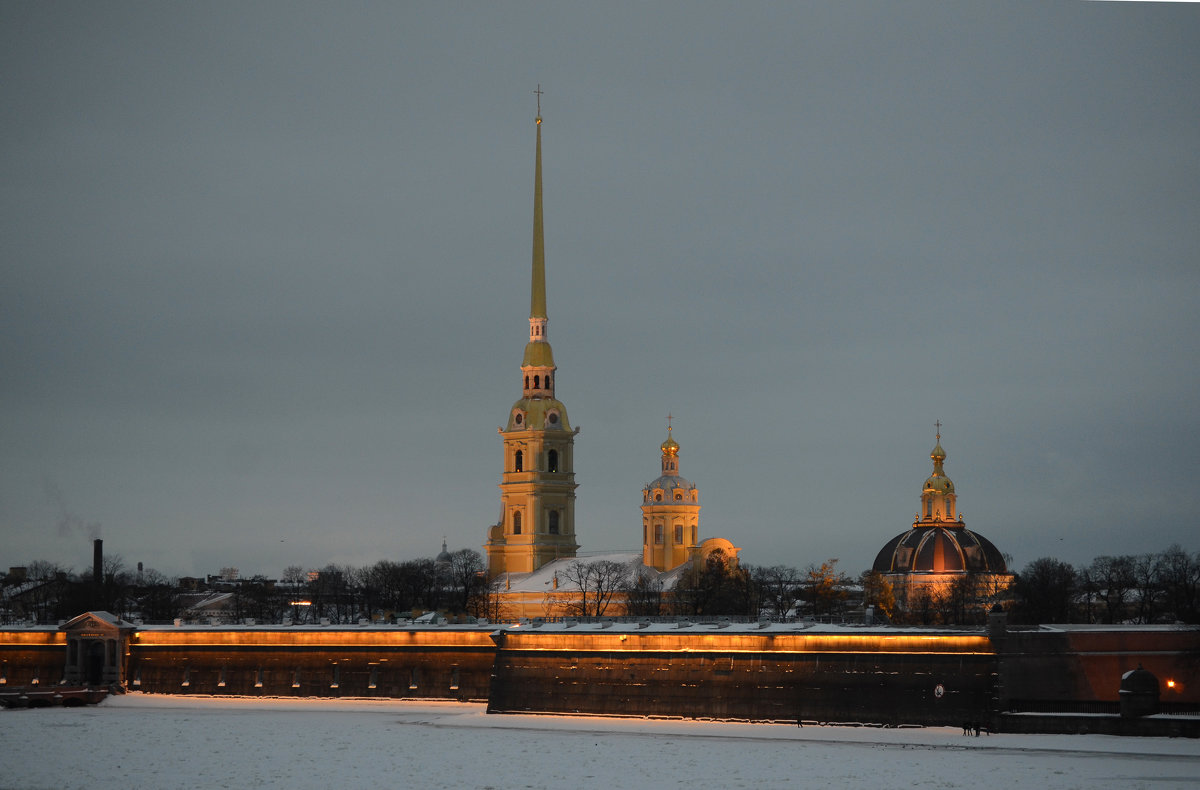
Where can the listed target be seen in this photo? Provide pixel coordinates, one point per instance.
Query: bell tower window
(553, 521)
(552, 461)
(516, 522)
(519, 461)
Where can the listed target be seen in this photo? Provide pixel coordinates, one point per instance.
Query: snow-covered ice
(147, 741)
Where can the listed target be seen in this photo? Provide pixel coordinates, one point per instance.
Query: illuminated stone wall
(883, 678)
(1085, 663)
(776, 672)
(396, 662)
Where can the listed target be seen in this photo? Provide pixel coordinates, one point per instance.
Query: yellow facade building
(537, 513)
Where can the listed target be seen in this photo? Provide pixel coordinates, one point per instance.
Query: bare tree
(825, 588)
(643, 591)
(777, 587)
(1181, 584)
(1114, 580)
(465, 577)
(1146, 571)
(1044, 592)
(488, 602)
(591, 586)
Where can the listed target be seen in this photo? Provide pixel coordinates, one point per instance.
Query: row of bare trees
(1161, 587)
(47, 592)
(718, 587)
(1147, 588)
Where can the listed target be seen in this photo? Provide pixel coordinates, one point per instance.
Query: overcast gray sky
(266, 272)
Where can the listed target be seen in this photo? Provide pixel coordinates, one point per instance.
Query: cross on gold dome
(938, 425)
(539, 93)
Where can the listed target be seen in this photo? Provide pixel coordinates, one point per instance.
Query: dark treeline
(1146, 588)
(1130, 588)
(388, 590)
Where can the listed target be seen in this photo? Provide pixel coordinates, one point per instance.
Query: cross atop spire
(938, 425)
(539, 93)
(668, 423)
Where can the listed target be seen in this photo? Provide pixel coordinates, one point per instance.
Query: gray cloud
(268, 272)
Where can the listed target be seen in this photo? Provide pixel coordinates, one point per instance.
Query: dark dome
(939, 550)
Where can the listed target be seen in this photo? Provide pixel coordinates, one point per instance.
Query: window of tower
(678, 496)
(658, 533)
(518, 418)
(658, 496)
(516, 522)
(552, 461)
(693, 536)
(552, 418)
(519, 461)
(547, 381)
(526, 382)
(553, 522)
(929, 508)
(678, 533)
(537, 382)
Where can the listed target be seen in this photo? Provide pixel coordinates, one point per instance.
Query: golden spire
(537, 302)
(938, 455)
(670, 447)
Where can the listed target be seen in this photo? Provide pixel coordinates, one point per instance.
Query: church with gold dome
(938, 551)
(532, 547)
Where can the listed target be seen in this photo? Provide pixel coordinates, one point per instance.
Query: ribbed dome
(670, 483)
(939, 550)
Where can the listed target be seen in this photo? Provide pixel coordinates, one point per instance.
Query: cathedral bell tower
(537, 487)
(670, 513)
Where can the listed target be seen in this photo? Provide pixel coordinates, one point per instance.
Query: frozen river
(143, 741)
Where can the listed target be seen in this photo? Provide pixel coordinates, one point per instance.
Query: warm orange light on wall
(303, 637)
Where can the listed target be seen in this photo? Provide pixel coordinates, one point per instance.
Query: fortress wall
(868, 678)
(1085, 664)
(392, 663)
(781, 672)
